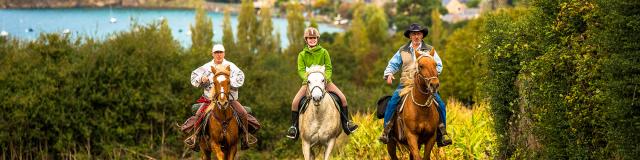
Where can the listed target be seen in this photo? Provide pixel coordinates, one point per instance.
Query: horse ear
(306, 69)
(432, 52)
(228, 68)
(213, 69)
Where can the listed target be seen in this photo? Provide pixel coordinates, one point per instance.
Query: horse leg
(206, 152)
(232, 152)
(306, 151)
(391, 149)
(205, 155)
(429, 146)
(218, 149)
(328, 148)
(414, 150)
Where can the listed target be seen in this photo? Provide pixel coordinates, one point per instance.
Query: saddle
(304, 100)
(395, 120)
(382, 106)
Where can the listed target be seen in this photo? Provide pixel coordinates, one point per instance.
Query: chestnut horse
(221, 135)
(417, 123)
(320, 118)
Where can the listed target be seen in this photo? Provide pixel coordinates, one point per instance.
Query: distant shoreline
(234, 8)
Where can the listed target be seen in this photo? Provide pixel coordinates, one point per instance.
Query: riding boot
(347, 125)
(442, 136)
(244, 145)
(384, 138)
(187, 126)
(293, 130)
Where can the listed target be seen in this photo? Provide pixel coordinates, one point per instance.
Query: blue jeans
(393, 103)
(395, 99)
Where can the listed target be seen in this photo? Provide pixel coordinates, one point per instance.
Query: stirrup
(292, 134)
(191, 142)
(352, 126)
(384, 138)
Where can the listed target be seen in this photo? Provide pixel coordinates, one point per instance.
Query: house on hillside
(458, 11)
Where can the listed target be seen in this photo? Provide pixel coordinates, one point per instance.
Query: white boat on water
(112, 19)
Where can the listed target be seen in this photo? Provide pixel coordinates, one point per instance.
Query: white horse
(320, 121)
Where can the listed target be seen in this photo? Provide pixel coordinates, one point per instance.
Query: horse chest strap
(224, 123)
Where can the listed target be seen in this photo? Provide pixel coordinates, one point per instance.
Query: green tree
(313, 23)
(437, 30)
(268, 42)
(463, 63)
(227, 34)
(377, 25)
(248, 27)
(295, 28)
(361, 46)
(202, 32)
(411, 11)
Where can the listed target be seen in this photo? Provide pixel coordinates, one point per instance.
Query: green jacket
(317, 56)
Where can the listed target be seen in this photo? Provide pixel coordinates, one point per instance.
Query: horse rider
(402, 58)
(314, 54)
(200, 78)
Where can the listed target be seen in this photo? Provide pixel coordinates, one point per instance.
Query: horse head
(426, 79)
(316, 83)
(221, 86)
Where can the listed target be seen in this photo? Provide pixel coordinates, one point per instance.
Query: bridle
(223, 122)
(316, 87)
(421, 78)
(218, 93)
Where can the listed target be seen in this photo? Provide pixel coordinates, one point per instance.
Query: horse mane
(221, 68)
(408, 82)
(315, 68)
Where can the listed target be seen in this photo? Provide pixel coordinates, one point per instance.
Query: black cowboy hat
(416, 28)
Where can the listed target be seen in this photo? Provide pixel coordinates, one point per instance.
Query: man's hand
(390, 79)
(204, 79)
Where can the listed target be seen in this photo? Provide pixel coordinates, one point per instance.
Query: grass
(471, 130)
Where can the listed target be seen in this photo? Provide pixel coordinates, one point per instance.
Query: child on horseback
(314, 54)
(200, 78)
(402, 58)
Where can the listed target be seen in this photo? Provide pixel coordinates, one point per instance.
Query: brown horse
(417, 123)
(223, 129)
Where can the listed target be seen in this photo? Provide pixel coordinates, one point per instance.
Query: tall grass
(471, 130)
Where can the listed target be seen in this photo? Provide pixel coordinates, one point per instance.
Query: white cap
(217, 47)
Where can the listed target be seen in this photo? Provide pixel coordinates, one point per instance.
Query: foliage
(66, 99)
(616, 38)
(472, 133)
(410, 11)
(227, 34)
(247, 28)
(436, 32)
(464, 66)
(503, 67)
(269, 44)
(559, 101)
(202, 32)
(295, 28)
(361, 44)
